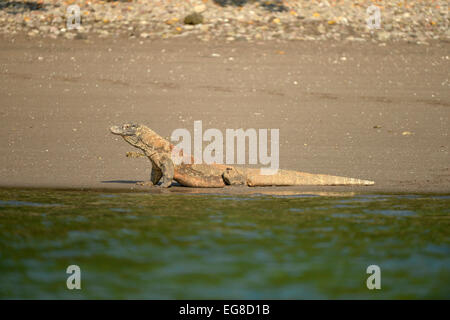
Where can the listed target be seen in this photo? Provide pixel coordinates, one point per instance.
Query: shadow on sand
(121, 181)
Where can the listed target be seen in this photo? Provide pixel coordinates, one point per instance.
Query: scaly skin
(159, 151)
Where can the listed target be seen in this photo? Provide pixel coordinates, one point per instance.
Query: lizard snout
(116, 130)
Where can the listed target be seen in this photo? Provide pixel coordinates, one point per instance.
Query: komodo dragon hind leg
(231, 176)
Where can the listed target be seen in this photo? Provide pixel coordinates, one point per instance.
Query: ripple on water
(237, 198)
(14, 203)
(300, 210)
(344, 206)
(441, 197)
(119, 210)
(369, 198)
(296, 196)
(394, 213)
(344, 215)
(108, 196)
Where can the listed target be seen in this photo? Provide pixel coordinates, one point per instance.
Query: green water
(159, 246)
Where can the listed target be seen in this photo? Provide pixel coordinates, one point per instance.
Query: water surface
(164, 246)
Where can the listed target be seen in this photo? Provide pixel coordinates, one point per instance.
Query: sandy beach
(364, 110)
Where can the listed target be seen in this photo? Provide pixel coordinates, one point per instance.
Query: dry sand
(354, 109)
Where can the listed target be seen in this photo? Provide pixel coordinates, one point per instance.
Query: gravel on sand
(230, 20)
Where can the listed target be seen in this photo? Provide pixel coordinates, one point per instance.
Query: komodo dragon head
(131, 133)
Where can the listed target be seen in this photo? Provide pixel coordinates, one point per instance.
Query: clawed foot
(150, 184)
(133, 154)
(165, 184)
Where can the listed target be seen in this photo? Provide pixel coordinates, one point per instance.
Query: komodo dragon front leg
(155, 173)
(162, 169)
(133, 154)
(155, 176)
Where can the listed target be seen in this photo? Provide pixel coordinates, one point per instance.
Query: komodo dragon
(159, 150)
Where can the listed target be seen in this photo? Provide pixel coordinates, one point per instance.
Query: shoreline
(289, 191)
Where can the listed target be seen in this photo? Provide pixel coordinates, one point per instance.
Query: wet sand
(353, 109)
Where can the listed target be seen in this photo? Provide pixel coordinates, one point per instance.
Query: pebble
(193, 18)
(200, 8)
(384, 36)
(69, 35)
(417, 22)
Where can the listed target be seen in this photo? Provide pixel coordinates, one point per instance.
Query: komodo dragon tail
(290, 178)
